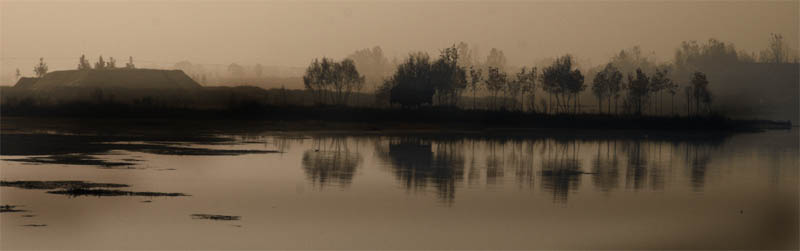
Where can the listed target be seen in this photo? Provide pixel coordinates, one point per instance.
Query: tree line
(421, 81)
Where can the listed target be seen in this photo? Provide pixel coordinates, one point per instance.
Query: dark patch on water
(215, 217)
(35, 225)
(11, 209)
(146, 201)
(172, 150)
(50, 185)
(72, 159)
(77, 148)
(28, 215)
(107, 192)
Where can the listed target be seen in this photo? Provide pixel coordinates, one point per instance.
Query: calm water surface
(424, 191)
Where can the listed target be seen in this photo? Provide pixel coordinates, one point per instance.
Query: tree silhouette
(346, 80)
(316, 78)
(495, 81)
(130, 65)
(701, 93)
(84, 64)
(334, 79)
(601, 87)
(100, 64)
(40, 69)
(448, 77)
(659, 83)
(638, 91)
(561, 81)
(111, 64)
(672, 88)
(411, 85)
(476, 78)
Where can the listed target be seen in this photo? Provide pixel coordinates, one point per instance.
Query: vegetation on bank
(630, 87)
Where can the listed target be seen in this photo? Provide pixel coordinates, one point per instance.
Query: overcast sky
(292, 33)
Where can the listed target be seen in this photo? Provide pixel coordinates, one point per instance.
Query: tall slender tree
(41, 69)
(83, 63)
(476, 78)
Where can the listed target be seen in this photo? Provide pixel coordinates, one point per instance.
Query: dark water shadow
(107, 192)
(11, 209)
(50, 185)
(215, 217)
(74, 159)
(60, 147)
(82, 188)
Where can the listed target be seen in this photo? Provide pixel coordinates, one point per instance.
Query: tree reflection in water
(416, 163)
(605, 166)
(561, 168)
(330, 161)
(444, 163)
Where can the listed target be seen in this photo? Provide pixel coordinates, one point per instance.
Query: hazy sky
(292, 33)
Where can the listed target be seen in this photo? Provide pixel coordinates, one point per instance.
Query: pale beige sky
(292, 33)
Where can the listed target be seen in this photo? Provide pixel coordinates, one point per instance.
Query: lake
(264, 189)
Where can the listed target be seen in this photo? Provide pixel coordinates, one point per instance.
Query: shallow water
(621, 190)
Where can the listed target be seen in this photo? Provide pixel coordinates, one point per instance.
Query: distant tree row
(332, 82)
(101, 64)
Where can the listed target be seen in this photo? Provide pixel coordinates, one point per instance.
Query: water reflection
(330, 160)
(561, 168)
(697, 158)
(559, 163)
(605, 166)
(416, 163)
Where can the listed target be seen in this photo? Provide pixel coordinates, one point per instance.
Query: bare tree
(449, 79)
(130, 65)
(100, 64)
(111, 64)
(776, 51)
(659, 83)
(701, 94)
(84, 64)
(476, 78)
(495, 81)
(638, 91)
(40, 69)
(563, 82)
